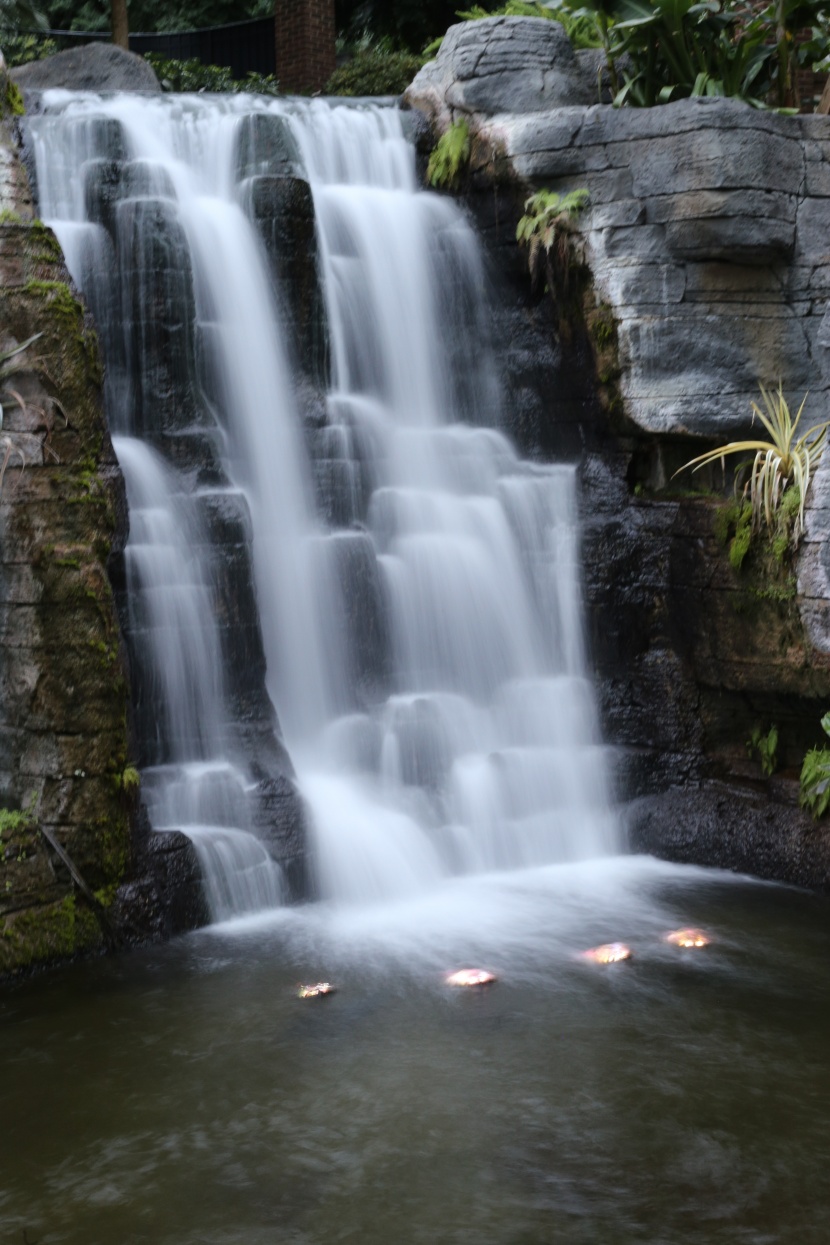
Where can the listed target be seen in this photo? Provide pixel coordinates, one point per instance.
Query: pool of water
(186, 1094)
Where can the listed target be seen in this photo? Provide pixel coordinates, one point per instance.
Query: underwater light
(608, 953)
(470, 977)
(316, 991)
(688, 938)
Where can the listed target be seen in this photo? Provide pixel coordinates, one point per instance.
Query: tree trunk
(120, 24)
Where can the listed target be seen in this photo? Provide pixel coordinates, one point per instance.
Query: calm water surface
(185, 1094)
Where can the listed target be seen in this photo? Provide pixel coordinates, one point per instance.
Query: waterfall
(417, 582)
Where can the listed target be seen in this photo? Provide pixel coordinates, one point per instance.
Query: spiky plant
(10, 363)
(782, 462)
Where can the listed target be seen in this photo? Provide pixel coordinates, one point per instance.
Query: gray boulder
(93, 67)
(501, 65)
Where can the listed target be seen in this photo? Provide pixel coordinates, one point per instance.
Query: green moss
(49, 932)
(9, 217)
(63, 306)
(14, 99)
(42, 246)
(739, 545)
(130, 778)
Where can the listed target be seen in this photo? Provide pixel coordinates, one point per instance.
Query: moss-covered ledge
(67, 791)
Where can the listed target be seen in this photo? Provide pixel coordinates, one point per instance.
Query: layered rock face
(699, 269)
(66, 789)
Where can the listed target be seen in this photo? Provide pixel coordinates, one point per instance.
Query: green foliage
(128, 780)
(191, 77)
(662, 50)
(14, 820)
(407, 24)
(161, 15)
(21, 49)
(14, 99)
(815, 777)
(780, 463)
(580, 27)
(739, 545)
(547, 221)
(681, 48)
(375, 71)
(450, 155)
(766, 748)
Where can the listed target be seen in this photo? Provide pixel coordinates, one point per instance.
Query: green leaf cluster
(815, 777)
(21, 49)
(547, 220)
(766, 748)
(658, 51)
(148, 15)
(449, 156)
(580, 27)
(374, 71)
(191, 76)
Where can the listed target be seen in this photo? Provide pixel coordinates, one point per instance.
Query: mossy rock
(54, 931)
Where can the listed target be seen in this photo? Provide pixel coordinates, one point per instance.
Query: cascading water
(422, 623)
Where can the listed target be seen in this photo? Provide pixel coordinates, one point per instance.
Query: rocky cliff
(699, 269)
(67, 790)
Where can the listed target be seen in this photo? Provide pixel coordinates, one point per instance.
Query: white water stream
(426, 656)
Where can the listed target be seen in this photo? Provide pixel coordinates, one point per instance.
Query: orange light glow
(316, 991)
(608, 953)
(470, 977)
(688, 938)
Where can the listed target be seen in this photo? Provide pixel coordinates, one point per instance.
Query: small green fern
(451, 153)
(547, 221)
(815, 777)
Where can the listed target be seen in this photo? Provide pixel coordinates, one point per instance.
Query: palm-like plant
(782, 462)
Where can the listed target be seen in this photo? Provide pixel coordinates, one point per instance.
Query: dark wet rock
(367, 642)
(94, 67)
(266, 146)
(171, 900)
(279, 818)
(731, 827)
(283, 211)
(155, 268)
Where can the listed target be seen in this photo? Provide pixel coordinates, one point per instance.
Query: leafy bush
(579, 26)
(766, 746)
(450, 154)
(21, 49)
(192, 76)
(375, 71)
(815, 777)
(781, 463)
(547, 221)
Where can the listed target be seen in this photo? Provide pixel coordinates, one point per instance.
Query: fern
(815, 777)
(547, 220)
(451, 153)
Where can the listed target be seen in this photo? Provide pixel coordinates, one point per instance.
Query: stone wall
(699, 269)
(65, 775)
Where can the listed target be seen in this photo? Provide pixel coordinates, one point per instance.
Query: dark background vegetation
(407, 24)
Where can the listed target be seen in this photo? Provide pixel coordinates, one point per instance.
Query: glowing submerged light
(316, 991)
(608, 953)
(688, 938)
(470, 977)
